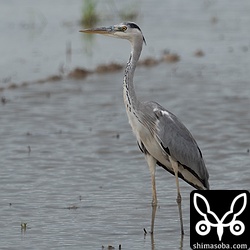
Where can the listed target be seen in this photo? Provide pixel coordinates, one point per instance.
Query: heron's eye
(124, 28)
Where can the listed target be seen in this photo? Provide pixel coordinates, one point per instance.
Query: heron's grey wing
(178, 142)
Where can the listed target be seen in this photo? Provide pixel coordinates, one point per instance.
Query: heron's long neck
(129, 95)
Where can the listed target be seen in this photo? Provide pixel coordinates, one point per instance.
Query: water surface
(70, 166)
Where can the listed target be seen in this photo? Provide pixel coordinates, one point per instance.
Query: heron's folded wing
(178, 142)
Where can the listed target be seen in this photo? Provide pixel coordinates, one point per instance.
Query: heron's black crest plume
(133, 26)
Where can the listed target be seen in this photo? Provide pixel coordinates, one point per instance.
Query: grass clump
(89, 14)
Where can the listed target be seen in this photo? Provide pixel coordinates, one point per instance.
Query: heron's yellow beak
(101, 30)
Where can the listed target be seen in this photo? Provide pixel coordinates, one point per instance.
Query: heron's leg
(152, 165)
(178, 199)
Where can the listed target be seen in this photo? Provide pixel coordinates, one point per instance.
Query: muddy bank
(79, 73)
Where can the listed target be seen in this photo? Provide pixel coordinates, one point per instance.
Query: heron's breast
(156, 151)
(144, 135)
(134, 121)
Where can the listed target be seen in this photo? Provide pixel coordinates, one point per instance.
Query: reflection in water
(181, 241)
(152, 241)
(153, 215)
(89, 44)
(154, 208)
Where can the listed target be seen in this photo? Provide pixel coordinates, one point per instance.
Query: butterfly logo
(203, 227)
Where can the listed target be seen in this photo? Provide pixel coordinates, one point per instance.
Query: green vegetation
(89, 14)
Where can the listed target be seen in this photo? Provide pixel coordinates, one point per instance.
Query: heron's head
(125, 30)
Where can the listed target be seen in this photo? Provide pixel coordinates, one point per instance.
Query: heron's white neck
(129, 95)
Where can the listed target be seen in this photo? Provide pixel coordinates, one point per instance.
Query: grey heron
(160, 135)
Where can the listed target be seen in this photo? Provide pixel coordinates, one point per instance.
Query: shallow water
(70, 166)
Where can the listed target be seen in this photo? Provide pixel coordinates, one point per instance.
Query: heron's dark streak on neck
(130, 97)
